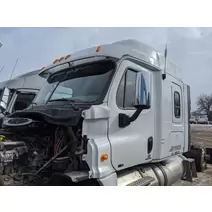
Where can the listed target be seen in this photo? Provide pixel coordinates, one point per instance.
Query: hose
(54, 157)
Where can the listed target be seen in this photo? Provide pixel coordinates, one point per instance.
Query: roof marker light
(56, 61)
(98, 48)
(67, 56)
(61, 59)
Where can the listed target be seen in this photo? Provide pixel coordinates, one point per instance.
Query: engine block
(10, 151)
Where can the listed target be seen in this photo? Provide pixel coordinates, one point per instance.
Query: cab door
(133, 144)
(176, 134)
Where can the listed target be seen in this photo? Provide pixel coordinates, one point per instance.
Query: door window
(177, 111)
(126, 92)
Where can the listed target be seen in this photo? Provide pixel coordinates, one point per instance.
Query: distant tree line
(204, 106)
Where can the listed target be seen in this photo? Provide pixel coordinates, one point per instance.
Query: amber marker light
(56, 61)
(98, 48)
(104, 157)
(67, 56)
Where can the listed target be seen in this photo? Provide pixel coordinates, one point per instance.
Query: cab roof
(28, 80)
(122, 48)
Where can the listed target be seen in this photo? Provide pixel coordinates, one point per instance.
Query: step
(145, 181)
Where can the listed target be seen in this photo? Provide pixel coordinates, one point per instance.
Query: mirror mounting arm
(125, 120)
(136, 114)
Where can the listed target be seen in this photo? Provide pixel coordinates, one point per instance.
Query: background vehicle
(193, 120)
(18, 93)
(20, 90)
(202, 119)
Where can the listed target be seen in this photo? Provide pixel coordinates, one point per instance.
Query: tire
(199, 161)
(206, 167)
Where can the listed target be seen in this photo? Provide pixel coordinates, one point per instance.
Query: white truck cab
(18, 93)
(134, 115)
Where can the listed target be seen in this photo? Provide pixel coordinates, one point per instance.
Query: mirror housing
(142, 94)
(142, 99)
(4, 99)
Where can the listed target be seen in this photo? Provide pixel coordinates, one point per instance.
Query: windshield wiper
(71, 101)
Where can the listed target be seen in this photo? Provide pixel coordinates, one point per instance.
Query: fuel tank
(164, 173)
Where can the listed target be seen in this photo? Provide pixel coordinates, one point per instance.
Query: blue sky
(190, 48)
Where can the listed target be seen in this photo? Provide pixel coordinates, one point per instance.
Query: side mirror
(142, 94)
(4, 99)
(142, 98)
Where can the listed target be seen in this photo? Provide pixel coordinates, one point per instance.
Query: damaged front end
(45, 143)
(45, 149)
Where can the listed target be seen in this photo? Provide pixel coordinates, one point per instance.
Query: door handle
(149, 145)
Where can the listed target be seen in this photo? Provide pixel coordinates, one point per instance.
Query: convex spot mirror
(142, 95)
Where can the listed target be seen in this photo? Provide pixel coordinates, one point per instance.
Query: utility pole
(1, 69)
(3, 66)
(13, 68)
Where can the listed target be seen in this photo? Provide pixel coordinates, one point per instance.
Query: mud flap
(198, 153)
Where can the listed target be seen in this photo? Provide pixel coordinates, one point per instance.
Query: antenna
(165, 55)
(13, 68)
(1, 69)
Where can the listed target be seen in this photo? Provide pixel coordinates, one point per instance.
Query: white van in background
(202, 119)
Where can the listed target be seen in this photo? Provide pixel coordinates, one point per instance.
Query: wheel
(206, 166)
(199, 161)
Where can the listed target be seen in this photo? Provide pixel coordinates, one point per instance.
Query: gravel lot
(200, 133)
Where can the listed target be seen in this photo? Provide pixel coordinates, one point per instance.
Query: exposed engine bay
(42, 149)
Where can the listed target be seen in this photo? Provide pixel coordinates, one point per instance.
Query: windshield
(85, 83)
